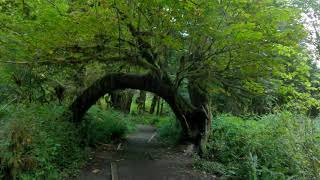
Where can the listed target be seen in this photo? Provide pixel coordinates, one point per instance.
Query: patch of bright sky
(312, 24)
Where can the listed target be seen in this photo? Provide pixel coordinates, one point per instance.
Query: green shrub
(148, 119)
(278, 146)
(169, 130)
(105, 126)
(36, 144)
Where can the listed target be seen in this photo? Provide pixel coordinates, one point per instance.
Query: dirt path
(141, 158)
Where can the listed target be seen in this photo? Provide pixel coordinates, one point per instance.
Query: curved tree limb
(189, 116)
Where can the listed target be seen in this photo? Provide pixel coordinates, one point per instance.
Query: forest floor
(141, 157)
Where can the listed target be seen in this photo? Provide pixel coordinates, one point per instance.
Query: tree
(121, 100)
(141, 102)
(180, 51)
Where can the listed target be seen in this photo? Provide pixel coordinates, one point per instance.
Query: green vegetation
(74, 74)
(46, 146)
(169, 130)
(277, 146)
(106, 126)
(38, 146)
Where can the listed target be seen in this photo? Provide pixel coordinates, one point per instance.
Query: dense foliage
(277, 146)
(46, 146)
(38, 146)
(252, 59)
(246, 52)
(106, 126)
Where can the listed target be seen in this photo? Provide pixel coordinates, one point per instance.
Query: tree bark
(141, 102)
(199, 97)
(190, 117)
(161, 108)
(121, 100)
(158, 106)
(153, 104)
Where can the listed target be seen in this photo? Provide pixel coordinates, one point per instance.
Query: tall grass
(277, 146)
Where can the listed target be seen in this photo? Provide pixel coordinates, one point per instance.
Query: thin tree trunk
(153, 104)
(141, 102)
(161, 108)
(158, 106)
(121, 100)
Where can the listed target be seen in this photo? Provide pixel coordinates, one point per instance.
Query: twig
(150, 139)
(6, 105)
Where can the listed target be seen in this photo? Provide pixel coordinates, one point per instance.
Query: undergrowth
(105, 126)
(35, 143)
(278, 146)
(148, 119)
(169, 130)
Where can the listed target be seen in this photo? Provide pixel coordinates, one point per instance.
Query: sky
(312, 24)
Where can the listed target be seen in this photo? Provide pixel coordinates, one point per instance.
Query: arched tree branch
(189, 116)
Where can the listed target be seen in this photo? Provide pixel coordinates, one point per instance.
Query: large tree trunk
(190, 117)
(199, 97)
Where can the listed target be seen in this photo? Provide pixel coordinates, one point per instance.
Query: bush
(36, 144)
(278, 146)
(105, 126)
(169, 130)
(148, 119)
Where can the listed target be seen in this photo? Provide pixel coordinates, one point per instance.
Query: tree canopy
(202, 58)
(246, 51)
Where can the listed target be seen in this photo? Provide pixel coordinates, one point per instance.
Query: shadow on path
(141, 157)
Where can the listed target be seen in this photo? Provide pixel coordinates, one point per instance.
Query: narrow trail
(141, 157)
